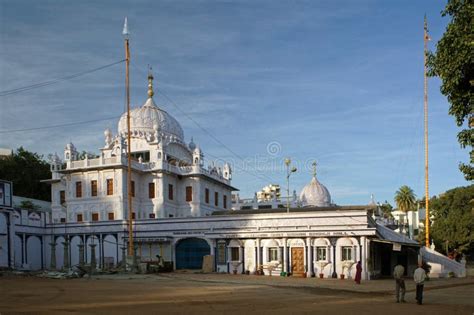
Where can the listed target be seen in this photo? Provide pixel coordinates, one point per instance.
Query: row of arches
(34, 252)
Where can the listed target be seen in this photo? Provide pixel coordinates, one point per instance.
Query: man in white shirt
(398, 272)
(419, 276)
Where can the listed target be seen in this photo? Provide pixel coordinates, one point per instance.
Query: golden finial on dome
(150, 83)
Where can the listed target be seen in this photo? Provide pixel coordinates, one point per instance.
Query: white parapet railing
(147, 166)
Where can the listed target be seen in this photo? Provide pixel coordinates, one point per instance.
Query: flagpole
(129, 146)
(426, 38)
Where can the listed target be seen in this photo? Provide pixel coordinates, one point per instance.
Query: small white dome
(70, 146)
(147, 118)
(315, 194)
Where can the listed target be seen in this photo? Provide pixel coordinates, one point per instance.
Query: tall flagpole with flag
(426, 39)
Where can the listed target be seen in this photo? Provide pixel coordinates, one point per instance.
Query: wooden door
(297, 261)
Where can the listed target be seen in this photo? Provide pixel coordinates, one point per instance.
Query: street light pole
(288, 173)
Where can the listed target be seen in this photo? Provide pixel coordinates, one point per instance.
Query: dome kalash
(149, 120)
(315, 194)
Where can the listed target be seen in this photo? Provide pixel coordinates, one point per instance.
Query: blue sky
(336, 81)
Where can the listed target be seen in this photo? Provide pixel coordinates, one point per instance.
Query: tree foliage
(453, 62)
(452, 216)
(25, 169)
(405, 198)
(386, 210)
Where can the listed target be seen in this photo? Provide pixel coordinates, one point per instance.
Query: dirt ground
(175, 295)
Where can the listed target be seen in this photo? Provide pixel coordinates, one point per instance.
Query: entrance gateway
(190, 253)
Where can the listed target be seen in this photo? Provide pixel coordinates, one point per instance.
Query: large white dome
(315, 194)
(146, 119)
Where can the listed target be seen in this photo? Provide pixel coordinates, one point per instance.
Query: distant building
(314, 194)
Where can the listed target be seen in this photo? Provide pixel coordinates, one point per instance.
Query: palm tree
(405, 199)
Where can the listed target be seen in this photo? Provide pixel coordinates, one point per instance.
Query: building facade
(169, 177)
(181, 212)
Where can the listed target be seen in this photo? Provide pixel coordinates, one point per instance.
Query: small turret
(198, 157)
(70, 153)
(227, 171)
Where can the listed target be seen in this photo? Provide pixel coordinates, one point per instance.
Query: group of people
(419, 277)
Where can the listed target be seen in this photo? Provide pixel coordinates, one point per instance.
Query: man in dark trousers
(419, 276)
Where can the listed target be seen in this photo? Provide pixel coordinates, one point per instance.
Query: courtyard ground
(187, 293)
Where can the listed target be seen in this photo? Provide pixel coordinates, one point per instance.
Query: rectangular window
(225, 202)
(234, 254)
(78, 189)
(110, 187)
(189, 193)
(346, 253)
(133, 216)
(151, 190)
(79, 217)
(62, 197)
(206, 195)
(63, 220)
(95, 216)
(321, 254)
(151, 215)
(170, 192)
(111, 216)
(132, 188)
(216, 199)
(273, 254)
(93, 188)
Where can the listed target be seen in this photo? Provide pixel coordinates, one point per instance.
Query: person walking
(398, 272)
(358, 272)
(419, 276)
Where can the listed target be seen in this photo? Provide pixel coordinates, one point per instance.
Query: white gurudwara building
(169, 177)
(182, 212)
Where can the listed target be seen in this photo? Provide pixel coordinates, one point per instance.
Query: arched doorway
(190, 252)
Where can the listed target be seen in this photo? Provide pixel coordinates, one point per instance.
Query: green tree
(405, 198)
(453, 62)
(25, 169)
(386, 209)
(453, 219)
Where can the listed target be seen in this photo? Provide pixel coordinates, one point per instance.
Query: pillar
(123, 263)
(23, 249)
(259, 258)
(93, 258)
(285, 255)
(66, 253)
(213, 248)
(363, 258)
(81, 254)
(309, 259)
(53, 254)
(333, 243)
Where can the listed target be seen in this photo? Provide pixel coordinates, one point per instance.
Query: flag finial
(150, 82)
(125, 31)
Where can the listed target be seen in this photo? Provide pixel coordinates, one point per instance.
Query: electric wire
(57, 80)
(60, 125)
